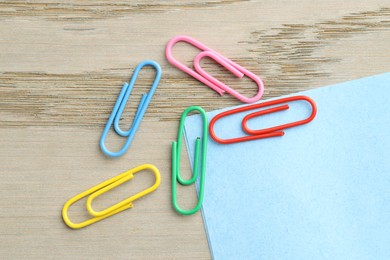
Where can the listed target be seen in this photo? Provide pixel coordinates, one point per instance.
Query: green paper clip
(176, 150)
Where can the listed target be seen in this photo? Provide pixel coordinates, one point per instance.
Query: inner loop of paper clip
(123, 202)
(123, 101)
(234, 68)
(199, 153)
(262, 133)
(208, 80)
(276, 109)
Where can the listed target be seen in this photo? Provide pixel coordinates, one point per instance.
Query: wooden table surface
(62, 65)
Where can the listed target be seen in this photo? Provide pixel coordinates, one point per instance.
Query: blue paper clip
(121, 104)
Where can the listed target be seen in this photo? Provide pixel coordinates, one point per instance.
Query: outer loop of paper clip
(104, 187)
(176, 150)
(262, 133)
(204, 77)
(121, 104)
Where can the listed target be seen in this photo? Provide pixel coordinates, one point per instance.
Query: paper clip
(262, 133)
(176, 150)
(104, 187)
(121, 104)
(206, 78)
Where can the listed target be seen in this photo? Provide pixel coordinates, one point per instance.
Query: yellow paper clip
(104, 187)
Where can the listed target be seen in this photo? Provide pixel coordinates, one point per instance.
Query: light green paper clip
(176, 150)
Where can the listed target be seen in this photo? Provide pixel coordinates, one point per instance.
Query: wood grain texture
(62, 64)
(44, 167)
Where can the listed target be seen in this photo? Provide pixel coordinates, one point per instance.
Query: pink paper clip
(206, 78)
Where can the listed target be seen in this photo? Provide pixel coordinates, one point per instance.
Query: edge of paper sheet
(197, 192)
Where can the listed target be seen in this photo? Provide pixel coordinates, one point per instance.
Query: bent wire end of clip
(121, 104)
(103, 187)
(176, 150)
(204, 77)
(267, 132)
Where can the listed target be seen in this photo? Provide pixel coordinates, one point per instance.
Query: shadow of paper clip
(176, 150)
(267, 132)
(103, 187)
(121, 104)
(205, 77)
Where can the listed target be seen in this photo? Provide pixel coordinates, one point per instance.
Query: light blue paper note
(322, 191)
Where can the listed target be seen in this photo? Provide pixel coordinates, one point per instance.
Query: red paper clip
(267, 132)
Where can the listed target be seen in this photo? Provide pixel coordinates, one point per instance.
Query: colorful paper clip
(262, 133)
(208, 80)
(121, 104)
(104, 187)
(176, 150)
